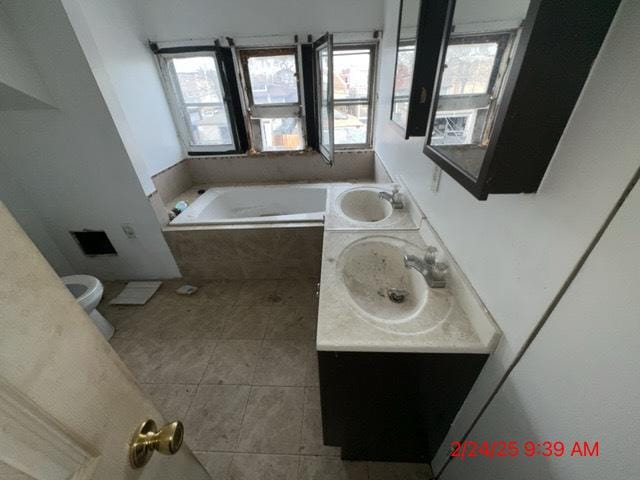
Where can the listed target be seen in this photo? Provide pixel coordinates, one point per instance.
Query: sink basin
(390, 296)
(364, 205)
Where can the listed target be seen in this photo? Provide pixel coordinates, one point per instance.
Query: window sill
(249, 154)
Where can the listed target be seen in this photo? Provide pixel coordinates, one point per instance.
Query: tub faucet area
(394, 198)
(433, 272)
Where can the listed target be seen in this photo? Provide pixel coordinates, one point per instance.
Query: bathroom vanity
(397, 357)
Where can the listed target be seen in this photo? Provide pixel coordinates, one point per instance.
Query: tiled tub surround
(407, 218)
(172, 181)
(263, 169)
(237, 363)
(237, 252)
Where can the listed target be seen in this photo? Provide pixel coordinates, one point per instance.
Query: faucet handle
(431, 255)
(439, 270)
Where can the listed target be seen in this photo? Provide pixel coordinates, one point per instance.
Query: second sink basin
(364, 205)
(391, 296)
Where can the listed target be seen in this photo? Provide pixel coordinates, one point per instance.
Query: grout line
(244, 414)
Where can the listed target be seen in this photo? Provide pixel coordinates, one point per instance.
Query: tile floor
(236, 362)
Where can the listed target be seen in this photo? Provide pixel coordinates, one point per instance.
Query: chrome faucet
(394, 198)
(433, 272)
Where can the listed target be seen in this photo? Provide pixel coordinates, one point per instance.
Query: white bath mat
(136, 293)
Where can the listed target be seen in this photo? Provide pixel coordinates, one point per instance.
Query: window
(272, 95)
(453, 128)
(290, 98)
(469, 68)
(402, 86)
(323, 48)
(470, 85)
(199, 101)
(352, 99)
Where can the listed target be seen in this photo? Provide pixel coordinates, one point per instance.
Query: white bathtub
(256, 204)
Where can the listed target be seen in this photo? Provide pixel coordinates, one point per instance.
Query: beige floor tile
(221, 292)
(273, 420)
(300, 292)
(328, 468)
(7, 472)
(246, 323)
(233, 362)
(312, 374)
(399, 471)
(216, 463)
(172, 400)
(257, 293)
(215, 417)
(132, 320)
(293, 323)
(311, 442)
(253, 466)
(282, 363)
(179, 360)
(194, 321)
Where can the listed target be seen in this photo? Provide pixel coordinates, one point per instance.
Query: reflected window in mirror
(405, 59)
(474, 70)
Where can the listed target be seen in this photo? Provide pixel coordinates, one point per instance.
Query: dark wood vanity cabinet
(392, 406)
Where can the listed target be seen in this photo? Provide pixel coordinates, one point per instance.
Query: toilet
(88, 291)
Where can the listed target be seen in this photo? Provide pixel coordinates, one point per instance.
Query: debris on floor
(187, 290)
(136, 293)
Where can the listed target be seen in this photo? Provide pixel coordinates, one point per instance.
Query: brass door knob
(148, 439)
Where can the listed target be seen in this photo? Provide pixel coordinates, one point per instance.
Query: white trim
(34, 443)
(179, 107)
(272, 40)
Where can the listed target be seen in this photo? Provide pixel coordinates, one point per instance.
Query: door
(323, 51)
(68, 405)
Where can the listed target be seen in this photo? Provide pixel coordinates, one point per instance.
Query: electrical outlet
(128, 230)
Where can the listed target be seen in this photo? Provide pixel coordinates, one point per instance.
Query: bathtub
(256, 204)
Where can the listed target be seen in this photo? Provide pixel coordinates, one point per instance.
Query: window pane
(402, 87)
(350, 124)
(281, 134)
(273, 79)
(351, 74)
(325, 138)
(209, 125)
(198, 79)
(468, 68)
(453, 128)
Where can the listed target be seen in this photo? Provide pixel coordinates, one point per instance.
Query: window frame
(253, 111)
(488, 100)
(179, 107)
(371, 89)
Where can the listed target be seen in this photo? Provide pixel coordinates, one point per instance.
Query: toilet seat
(92, 289)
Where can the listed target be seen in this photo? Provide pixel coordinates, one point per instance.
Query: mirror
(405, 58)
(477, 62)
(507, 77)
(421, 27)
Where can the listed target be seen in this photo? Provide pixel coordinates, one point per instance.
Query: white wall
(198, 19)
(22, 208)
(20, 82)
(115, 45)
(517, 250)
(71, 161)
(578, 381)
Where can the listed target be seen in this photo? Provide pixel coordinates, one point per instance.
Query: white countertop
(407, 218)
(454, 320)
